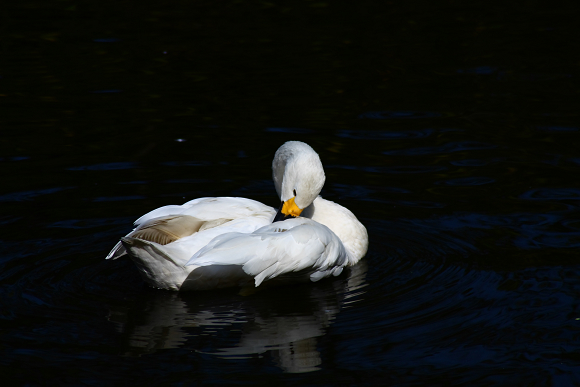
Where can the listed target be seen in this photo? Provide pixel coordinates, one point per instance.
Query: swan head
(298, 176)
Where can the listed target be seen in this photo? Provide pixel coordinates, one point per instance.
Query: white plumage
(222, 242)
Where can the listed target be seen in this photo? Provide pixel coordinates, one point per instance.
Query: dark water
(451, 130)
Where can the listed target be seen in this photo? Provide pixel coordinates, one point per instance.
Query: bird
(220, 242)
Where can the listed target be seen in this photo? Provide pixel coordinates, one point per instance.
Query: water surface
(450, 130)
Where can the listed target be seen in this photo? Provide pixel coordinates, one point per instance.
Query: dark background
(451, 129)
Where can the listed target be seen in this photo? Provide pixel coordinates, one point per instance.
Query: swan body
(210, 243)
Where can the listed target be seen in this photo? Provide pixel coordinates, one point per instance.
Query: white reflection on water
(284, 322)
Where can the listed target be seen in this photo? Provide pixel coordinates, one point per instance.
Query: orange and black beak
(287, 210)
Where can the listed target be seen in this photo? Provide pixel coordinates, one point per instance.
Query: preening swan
(211, 243)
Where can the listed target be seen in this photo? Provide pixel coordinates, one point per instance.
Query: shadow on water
(283, 323)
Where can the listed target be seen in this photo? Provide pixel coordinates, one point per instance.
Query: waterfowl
(211, 243)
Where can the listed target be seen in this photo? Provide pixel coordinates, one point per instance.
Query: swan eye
(294, 193)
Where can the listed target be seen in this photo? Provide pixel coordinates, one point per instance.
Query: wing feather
(173, 224)
(212, 208)
(283, 247)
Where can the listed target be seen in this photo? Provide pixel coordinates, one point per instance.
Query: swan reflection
(284, 322)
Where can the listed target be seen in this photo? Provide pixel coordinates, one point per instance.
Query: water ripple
(105, 167)
(29, 195)
(118, 198)
(395, 169)
(528, 231)
(383, 134)
(563, 129)
(551, 194)
(474, 162)
(80, 224)
(480, 70)
(467, 181)
(403, 114)
(451, 147)
(290, 130)
(442, 314)
(188, 163)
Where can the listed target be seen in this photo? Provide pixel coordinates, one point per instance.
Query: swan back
(343, 223)
(297, 168)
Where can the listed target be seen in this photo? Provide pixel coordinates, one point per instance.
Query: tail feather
(117, 252)
(155, 266)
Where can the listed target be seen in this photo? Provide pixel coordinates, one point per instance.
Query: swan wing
(283, 247)
(173, 223)
(227, 207)
(157, 265)
(212, 208)
(163, 265)
(164, 230)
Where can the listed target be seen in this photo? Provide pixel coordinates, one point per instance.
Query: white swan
(223, 242)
